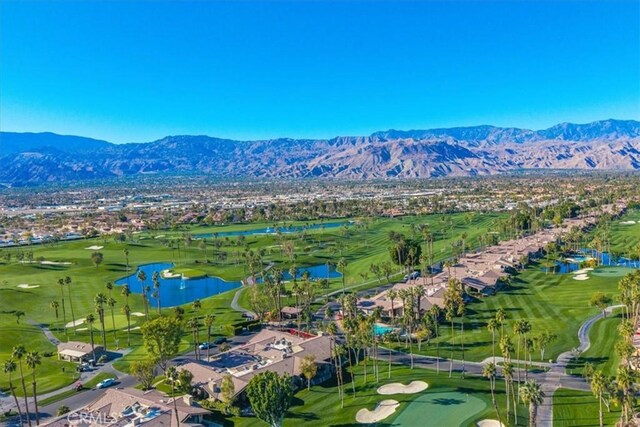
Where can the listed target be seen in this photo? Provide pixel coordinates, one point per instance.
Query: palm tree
(208, 322)
(32, 360)
(342, 265)
(598, 387)
(172, 377)
(196, 305)
(489, 371)
(9, 368)
(64, 311)
(125, 251)
(156, 290)
(67, 281)
(90, 319)
(392, 294)
(100, 301)
(142, 277)
(532, 394)
(127, 311)
(111, 302)
(501, 316)
(194, 325)
(55, 305)
(492, 326)
(18, 353)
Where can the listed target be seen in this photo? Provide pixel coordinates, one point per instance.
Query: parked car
(106, 383)
(83, 367)
(204, 346)
(220, 340)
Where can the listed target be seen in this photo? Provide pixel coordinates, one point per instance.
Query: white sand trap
(94, 248)
(159, 237)
(382, 411)
(137, 314)
(76, 323)
(167, 274)
(398, 388)
(627, 222)
(55, 263)
(489, 423)
(135, 328)
(27, 286)
(580, 277)
(82, 329)
(583, 271)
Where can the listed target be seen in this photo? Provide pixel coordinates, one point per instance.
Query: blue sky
(137, 71)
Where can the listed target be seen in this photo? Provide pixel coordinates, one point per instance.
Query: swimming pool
(379, 329)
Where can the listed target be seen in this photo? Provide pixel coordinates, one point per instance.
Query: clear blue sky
(137, 71)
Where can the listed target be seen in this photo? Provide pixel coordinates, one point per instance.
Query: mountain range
(36, 158)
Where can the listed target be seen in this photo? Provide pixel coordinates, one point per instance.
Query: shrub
(62, 410)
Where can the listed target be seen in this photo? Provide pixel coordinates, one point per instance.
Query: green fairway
(610, 271)
(601, 354)
(361, 244)
(447, 402)
(555, 303)
(445, 408)
(579, 408)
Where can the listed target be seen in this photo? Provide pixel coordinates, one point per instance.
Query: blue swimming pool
(176, 291)
(379, 329)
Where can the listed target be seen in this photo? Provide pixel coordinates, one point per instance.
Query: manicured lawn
(579, 408)
(602, 354)
(448, 397)
(360, 244)
(555, 303)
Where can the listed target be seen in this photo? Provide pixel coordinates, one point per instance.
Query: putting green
(611, 271)
(447, 408)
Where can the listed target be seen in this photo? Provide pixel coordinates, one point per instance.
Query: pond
(604, 259)
(274, 230)
(176, 291)
(320, 271)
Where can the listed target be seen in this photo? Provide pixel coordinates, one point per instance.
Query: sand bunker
(583, 271)
(135, 328)
(76, 323)
(167, 274)
(382, 411)
(627, 222)
(489, 423)
(160, 236)
(580, 277)
(137, 314)
(46, 262)
(82, 329)
(27, 286)
(94, 248)
(398, 388)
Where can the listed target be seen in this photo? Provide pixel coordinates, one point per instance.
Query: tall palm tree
(342, 265)
(142, 277)
(598, 387)
(196, 305)
(90, 320)
(489, 371)
(172, 377)
(392, 294)
(492, 326)
(55, 305)
(531, 393)
(9, 367)
(194, 325)
(111, 302)
(208, 322)
(501, 316)
(127, 311)
(64, 311)
(18, 353)
(67, 281)
(100, 300)
(33, 360)
(125, 251)
(156, 290)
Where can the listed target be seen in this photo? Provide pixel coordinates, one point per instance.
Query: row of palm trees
(32, 360)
